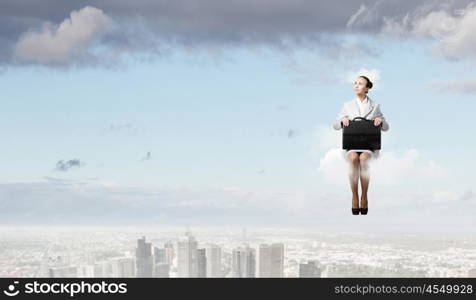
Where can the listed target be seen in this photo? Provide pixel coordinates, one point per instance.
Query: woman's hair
(369, 83)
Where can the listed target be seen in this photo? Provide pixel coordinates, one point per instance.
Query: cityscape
(173, 252)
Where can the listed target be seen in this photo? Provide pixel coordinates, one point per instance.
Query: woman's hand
(377, 121)
(345, 121)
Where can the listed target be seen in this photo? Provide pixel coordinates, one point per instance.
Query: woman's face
(360, 86)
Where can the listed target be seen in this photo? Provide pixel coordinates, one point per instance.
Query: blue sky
(206, 121)
(240, 119)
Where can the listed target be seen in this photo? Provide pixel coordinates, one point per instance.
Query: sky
(214, 113)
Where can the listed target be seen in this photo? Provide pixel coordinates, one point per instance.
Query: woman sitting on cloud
(361, 106)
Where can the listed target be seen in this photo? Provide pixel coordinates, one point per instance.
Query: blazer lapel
(369, 108)
(365, 113)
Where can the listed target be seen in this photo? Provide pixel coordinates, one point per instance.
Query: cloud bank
(66, 33)
(53, 202)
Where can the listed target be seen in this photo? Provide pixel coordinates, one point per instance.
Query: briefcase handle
(364, 119)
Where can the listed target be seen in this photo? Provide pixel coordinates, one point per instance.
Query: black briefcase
(361, 134)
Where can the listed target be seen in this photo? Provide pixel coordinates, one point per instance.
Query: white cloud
(452, 31)
(65, 42)
(356, 16)
(372, 74)
(447, 195)
(389, 169)
(395, 28)
(410, 166)
(333, 165)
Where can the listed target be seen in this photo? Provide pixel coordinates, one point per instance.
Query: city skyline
(113, 252)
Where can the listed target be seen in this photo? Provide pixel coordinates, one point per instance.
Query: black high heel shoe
(363, 211)
(355, 211)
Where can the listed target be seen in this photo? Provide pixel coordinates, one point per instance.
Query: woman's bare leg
(364, 177)
(354, 177)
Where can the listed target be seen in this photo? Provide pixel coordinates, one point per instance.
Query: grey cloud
(292, 133)
(65, 166)
(372, 17)
(148, 156)
(151, 28)
(466, 196)
(465, 86)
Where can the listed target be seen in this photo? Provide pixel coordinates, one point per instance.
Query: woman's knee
(353, 157)
(365, 157)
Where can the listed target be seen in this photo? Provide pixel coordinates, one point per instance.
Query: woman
(361, 106)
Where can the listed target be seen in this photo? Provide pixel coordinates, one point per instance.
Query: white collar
(365, 101)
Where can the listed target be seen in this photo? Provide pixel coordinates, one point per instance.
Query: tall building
(161, 262)
(201, 263)
(213, 254)
(162, 270)
(169, 252)
(243, 263)
(123, 267)
(159, 256)
(86, 271)
(144, 258)
(187, 264)
(67, 271)
(103, 269)
(309, 270)
(271, 260)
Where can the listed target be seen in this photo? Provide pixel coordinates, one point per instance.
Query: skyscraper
(309, 270)
(86, 271)
(103, 269)
(144, 258)
(162, 270)
(68, 271)
(187, 263)
(159, 256)
(243, 263)
(271, 260)
(123, 267)
(202, 263)
(169, 252)
(213, 261)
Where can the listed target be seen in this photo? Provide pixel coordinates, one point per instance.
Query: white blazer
(351, 110)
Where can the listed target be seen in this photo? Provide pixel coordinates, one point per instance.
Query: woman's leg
(364, 177)
(353, 158)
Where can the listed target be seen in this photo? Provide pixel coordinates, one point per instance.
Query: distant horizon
(225, 228)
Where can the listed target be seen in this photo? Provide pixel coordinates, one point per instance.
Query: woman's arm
(378, 114)
(343, 114)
